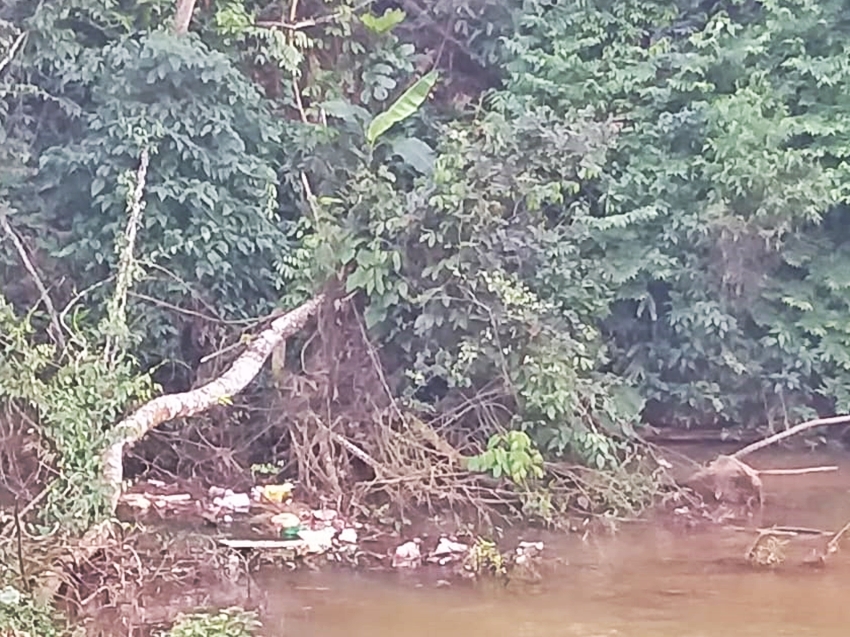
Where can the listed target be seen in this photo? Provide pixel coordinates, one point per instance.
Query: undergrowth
(21, 616)
(229, 622)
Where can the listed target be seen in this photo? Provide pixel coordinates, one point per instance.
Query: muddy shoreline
(183, 551)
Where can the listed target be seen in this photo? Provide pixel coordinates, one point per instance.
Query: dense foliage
(735, 142)
(605, 211)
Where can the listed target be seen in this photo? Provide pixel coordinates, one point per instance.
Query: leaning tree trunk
(164, 408)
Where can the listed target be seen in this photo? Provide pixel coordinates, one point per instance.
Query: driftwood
(729, 479)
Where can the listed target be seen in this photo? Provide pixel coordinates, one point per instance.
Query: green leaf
(97, 186)
(415, 153)
(346, 111)
(373, 315)
(384, 23)
(402, 108)
(356, 279)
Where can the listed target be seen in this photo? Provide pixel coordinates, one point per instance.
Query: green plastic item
(290, 533)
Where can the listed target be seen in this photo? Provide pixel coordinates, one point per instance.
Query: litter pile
(268, 518)
(274, 519)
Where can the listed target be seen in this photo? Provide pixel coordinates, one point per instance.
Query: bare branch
(42, 289)
(782, 435)
(797, 472)
(124, 278)
(7, 59)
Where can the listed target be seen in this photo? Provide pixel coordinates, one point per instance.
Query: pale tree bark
(183, 16)
(164, 408)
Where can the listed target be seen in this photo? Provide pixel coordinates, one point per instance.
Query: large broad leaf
(384, 23)
(416, 153)
(402, 108)
(346, 111)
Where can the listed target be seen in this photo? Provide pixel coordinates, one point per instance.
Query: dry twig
(56, 327)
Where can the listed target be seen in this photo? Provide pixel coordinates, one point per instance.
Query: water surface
(643, 582)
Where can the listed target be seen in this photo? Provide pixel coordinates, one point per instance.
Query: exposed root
(23, 472)
(125, 567)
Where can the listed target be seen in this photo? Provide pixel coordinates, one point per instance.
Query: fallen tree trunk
(164, 408)
(730, 479)
(782, 435)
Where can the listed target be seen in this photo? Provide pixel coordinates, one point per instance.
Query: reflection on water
(642, 583)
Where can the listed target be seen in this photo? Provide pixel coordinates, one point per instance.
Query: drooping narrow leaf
(402, 108)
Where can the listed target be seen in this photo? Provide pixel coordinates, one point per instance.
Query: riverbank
(179, 565)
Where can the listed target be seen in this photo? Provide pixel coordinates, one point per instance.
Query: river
(645, 581)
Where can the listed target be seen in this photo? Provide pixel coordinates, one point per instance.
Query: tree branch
(42, 289)
(165, 408)
(782, 435)
(183, 16)
(12, 51)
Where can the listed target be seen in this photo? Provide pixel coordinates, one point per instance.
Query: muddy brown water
(644, 581)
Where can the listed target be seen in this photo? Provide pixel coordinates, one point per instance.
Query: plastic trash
(274, 493)
(325, 515)
(238, 502)
(408, 555)
(448, 551)
(318, 541)
(289, 524)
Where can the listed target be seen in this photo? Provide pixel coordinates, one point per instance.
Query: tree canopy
(578, 216)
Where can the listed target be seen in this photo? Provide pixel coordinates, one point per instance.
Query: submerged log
(727, 479)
